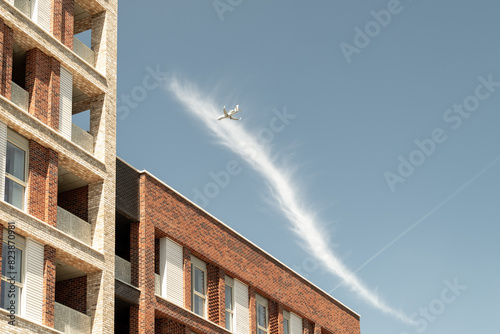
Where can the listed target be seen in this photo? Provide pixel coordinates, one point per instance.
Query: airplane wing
(225, 112)
(236, 119)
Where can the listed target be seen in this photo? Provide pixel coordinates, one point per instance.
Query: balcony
(122, 270)
(24, 6)
(73, 226)
(83, 51)
(69, 321)
(82, 138)
(19, 96)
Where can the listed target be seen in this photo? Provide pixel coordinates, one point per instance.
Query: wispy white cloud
(309, 230)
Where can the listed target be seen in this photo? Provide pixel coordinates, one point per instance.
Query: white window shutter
(171, 271)
(33, 284)
(43, 9)
(3, 153)
(295, 324)
(241, 312)
(66, 103)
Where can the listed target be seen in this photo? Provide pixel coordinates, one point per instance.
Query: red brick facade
(43, 86)
(6, 55)
(164, 213)
(75, 201)
(49, 285)
(63, 21)
(216, 293)
(42, 183)
(73, 293)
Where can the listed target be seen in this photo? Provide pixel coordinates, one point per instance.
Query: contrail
(233, 135)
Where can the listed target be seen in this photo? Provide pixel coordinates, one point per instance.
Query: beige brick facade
(52, 155)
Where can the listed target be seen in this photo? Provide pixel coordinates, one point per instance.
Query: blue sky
(353, 121)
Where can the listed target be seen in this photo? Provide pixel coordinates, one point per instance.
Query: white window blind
(171, 271)
(42, 8)
(66, 103)
(33, 298)
(241, 312)
(295, 324)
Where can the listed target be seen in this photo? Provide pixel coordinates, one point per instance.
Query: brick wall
(274, 327)
(63, 21)
(73, 293)
(216, 292)
(6, 54)
(42, 183)
(75, 201)
(43, 86)
(169, 326)
(49, 285)
(216, 244)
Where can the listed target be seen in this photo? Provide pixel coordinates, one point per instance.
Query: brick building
(90, 244)
(181, 270)
(57, 63)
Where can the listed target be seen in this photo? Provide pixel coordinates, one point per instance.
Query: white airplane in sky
(230, 113)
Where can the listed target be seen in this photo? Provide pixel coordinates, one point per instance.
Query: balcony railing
(82, 138)
(69, 321)
(83, 51)
(74, 226)
(157, 285)
(122, 269)
(19, 96)
(24, 6)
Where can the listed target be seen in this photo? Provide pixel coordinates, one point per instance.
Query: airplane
(230, 113)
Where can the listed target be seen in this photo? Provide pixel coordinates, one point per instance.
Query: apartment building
(181, 270)
(89, 243)
(57, 62)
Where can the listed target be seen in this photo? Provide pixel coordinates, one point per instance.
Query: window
(16, 169)
(12, 271)
(199, 286)
(286, 322)
(229, 303)
(262, 315)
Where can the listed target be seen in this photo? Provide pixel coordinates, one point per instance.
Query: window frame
(229, 282)
(20, 243)
(259, 300)
(22, 143)
(286, 316)
(202, 266)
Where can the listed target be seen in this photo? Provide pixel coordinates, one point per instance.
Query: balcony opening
(72, 206)
(123, 270)
(19, 95)
(70, 311)
(122, 314)
(82, 40)
(80, 129)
